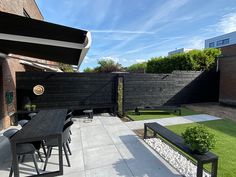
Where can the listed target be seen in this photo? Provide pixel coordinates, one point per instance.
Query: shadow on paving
(141, 161)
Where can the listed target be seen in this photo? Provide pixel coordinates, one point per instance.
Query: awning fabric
(40, 66)
(34, 38)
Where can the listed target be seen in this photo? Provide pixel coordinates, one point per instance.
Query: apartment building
(221, 41)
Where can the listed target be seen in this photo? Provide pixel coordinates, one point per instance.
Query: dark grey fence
(179, 87)
(70, 90)
(84, 90)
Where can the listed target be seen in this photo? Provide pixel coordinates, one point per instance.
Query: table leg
(15, 165)
(214, 168)
(60, 154)
(199, 169)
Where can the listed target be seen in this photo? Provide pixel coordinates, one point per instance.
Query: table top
(45, 123)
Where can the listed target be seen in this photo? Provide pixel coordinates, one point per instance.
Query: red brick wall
(17, 6)
(228, 75)
(10, 66)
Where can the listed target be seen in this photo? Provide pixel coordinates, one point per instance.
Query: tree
(137, 68)
(107, 66)
(88, 70)
(66, 67)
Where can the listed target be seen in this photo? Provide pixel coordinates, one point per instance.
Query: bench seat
(178, 142)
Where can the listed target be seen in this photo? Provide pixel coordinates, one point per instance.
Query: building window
(223, 42)
(25, 13)
(226, 41)
(212, 44)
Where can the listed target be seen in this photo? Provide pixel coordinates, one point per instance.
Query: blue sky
(131, 31)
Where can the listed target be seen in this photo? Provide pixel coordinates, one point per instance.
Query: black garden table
(46, 124)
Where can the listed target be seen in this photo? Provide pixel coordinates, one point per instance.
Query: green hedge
(192, 60)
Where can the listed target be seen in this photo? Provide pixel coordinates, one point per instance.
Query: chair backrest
(68, 117)
(9, 133)
(66, 131)
(22, 123)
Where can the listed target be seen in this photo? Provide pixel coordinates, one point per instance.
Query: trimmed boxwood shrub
(199, 139)
(193, 60)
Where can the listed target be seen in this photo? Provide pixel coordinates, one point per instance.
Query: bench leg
(154, 134)
(214, 168)
(137, 111)
(145, 132)
(199, 169)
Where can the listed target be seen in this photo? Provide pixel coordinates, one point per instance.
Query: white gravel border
(183, 165)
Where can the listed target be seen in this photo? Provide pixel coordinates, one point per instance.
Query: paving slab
(105, 147)
(144, 161)
(114, 170)
(134, 125)
(101, 156)
(93, 136)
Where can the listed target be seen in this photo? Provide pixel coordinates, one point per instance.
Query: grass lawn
(156, 114)
(225, 133)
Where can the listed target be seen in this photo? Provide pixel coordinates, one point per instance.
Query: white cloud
(227, 23)
(115, 59)
(152, 18)
(196, 42)
(140, 60)
(122, 31)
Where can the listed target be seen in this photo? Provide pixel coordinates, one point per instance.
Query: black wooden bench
(178, 142)
(161, 108)
(112, 108)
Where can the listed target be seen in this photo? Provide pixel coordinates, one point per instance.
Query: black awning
(35, 38)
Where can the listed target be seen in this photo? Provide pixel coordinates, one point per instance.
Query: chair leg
(22, 158)
(50, 152)
(67, 158)
(70, 132)
(69, 139)
(11, 171)
(35, 163)
(47, 156)
(40, 157)
(44, 149)
(68, 147)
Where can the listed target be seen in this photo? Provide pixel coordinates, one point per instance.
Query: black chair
(37, 144)
(54, 143)
(22, 149)
(68, 119)
(23, 122)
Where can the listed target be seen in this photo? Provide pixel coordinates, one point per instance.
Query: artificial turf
(156, 114)
(225, 134)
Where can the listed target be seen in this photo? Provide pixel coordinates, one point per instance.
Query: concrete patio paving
(134, 125)
(105, 147)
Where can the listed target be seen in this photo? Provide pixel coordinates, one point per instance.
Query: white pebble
(183, 165)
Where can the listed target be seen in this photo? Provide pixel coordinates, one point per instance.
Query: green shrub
(137, 68)
(192, 60)
(199, 139)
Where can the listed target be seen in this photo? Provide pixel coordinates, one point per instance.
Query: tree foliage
(66, 67)
(137, 68)
(192, 60)
(107, 66)
(89, 70)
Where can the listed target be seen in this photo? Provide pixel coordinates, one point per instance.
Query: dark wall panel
(179, 87)
(228, 75)
(80, 90)
(70, 90)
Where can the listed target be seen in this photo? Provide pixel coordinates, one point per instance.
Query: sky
(131, 31)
